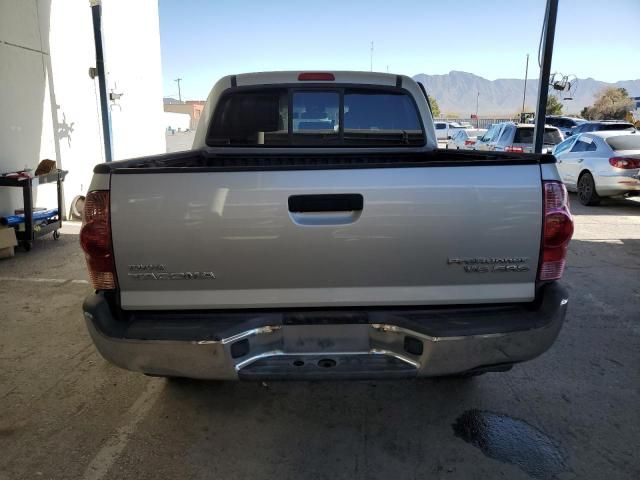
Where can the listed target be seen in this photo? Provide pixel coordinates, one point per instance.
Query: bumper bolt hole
(326, 363)
(298, 363)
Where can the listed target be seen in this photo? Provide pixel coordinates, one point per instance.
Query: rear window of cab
(316, 117)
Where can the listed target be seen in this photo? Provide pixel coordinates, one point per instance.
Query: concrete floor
(66, 414)
(179, 141)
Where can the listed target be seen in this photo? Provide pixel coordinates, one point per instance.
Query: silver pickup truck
(315, 231)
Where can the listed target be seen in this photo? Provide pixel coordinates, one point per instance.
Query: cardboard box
(7, 242)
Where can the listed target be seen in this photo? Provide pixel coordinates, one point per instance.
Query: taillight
(316, 77)
(514, 149)
(625, 162)
(557, 231)
(469, 142)
(95, 240)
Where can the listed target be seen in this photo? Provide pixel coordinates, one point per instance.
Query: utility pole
(524, 94)
(371, 58)
(178, 80)
(477, 103)
(548, 33)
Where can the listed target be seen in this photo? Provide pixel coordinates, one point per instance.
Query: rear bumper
(617, 183)
(312, 344)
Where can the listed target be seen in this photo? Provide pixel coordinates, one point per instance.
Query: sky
(203, 40)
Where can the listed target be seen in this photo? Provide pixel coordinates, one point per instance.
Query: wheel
(56, 234)
(77, 207)
(587, 190)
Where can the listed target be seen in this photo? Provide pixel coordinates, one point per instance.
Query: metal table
(27, 237)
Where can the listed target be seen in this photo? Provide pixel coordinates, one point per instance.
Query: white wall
(26, 126)
(49, 106)
(79, 139)
(131, 32)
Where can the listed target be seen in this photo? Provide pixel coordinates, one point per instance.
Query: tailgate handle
(333, 202)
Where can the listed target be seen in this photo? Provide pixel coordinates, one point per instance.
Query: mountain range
(456, 92)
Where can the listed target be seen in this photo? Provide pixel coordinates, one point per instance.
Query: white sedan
(600, 164)
(465, 138)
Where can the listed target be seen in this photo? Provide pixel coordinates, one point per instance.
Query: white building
(50, 106)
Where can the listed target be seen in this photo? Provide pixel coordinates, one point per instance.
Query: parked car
(603, 125)
(445, 130)
(465, 139)
(600, 164)
(564, 124)
(489, 139)
(352, 250)
(518, 137)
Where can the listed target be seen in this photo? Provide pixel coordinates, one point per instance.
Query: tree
(554, 107)
(435, 108)
(612, 103)
(587, 113)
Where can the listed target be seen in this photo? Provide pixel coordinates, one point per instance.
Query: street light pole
(524, 93)
(371, 58)
(178, 80)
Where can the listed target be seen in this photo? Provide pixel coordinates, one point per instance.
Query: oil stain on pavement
(511, 440)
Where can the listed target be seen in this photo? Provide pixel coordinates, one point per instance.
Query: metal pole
(524, 93)
(548, 33)
(96, 13)
(477, 103)
(179, 91)
(371, 58)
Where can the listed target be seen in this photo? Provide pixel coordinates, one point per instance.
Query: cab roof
(355, 77)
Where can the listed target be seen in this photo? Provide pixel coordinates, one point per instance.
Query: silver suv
(518, 138)
(565, 124)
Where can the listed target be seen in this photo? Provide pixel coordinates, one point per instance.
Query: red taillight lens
(514, 149)
(316, 76)
(95, 240)
(469, 142)
(624, 162)
(557, 231)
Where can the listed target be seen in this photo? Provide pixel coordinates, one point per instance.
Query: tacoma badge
(490, 264)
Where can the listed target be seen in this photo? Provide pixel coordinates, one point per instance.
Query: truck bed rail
(201, 160)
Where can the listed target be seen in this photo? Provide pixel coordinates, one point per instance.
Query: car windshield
(525, 135)
(473, 132)
(624, 142)
(319, 117)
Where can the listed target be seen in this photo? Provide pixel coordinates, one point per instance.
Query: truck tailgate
(237, 239)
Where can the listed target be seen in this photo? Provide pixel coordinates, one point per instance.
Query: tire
(587, 190)
(77, 206)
